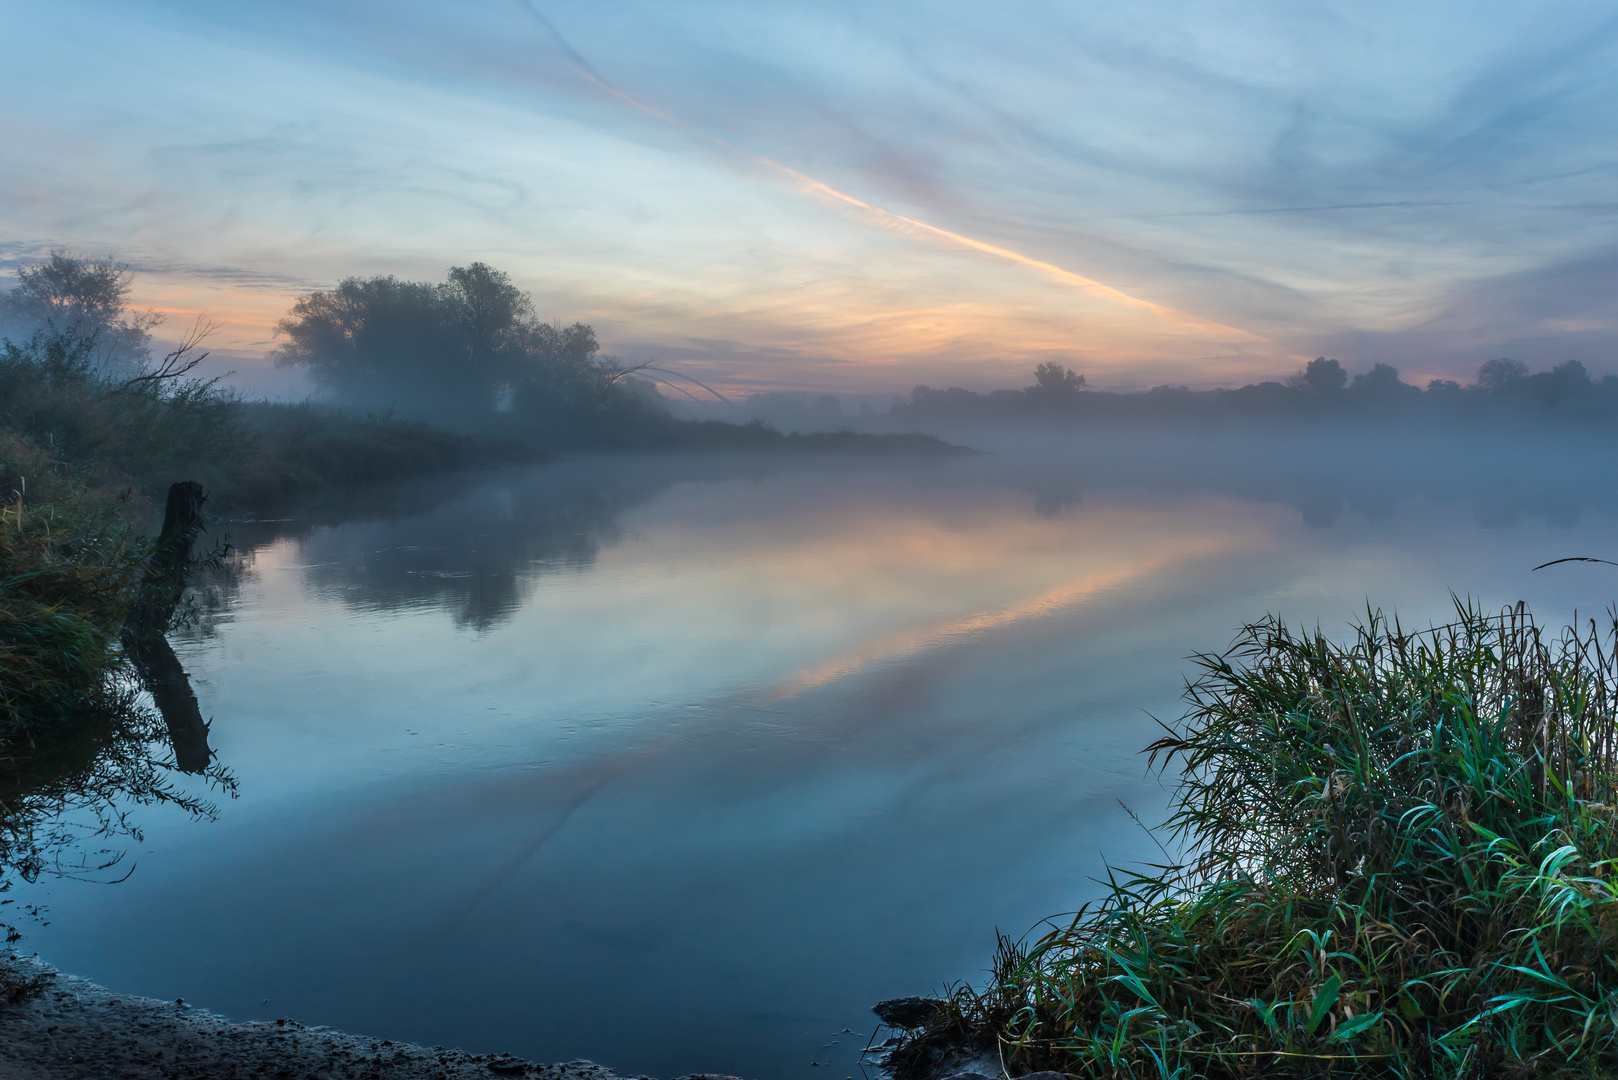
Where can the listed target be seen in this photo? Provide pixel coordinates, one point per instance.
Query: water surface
(681, 764)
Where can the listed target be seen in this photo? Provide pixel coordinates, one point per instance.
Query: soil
(59, 1027)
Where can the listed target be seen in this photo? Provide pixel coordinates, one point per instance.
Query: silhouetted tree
(376, 341)
(1382, 383)
(1501, 374)
(84, 298)
(492, 315)
(457, 350)
(1321, 376)
(1054, 383)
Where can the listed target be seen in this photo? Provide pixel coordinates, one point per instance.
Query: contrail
(886, 218)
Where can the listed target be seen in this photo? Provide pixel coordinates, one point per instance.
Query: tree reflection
(66, 800)
(475, 547)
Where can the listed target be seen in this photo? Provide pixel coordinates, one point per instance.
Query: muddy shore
(72, 1029)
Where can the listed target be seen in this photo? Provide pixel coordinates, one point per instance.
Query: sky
(852, 197)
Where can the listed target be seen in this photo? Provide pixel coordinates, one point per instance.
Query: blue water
(682, 764)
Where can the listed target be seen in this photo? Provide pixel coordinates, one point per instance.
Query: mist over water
(682, 763)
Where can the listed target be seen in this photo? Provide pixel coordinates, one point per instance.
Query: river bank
(72, 1029)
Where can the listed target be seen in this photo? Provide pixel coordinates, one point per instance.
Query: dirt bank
(75, 1030)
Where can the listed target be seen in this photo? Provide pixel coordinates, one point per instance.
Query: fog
(696, 756)
(477, 555)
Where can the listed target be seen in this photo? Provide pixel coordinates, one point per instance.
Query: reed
(1396, 857)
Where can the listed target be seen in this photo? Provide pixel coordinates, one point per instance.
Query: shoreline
(74, 1029)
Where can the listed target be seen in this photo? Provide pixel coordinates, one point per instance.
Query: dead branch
(182, 359)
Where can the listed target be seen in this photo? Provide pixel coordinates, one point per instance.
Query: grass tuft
(1398, 859)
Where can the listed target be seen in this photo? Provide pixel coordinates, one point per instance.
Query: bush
(1399, 861)
(140, 432)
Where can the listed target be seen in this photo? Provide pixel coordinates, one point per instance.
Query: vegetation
(469, 349)
(124, 421)
(87, 298)
(1504, 391)
(1399, 861)
(302, 449)
(77, 746)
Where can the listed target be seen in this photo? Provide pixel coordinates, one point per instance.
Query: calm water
(680, 765)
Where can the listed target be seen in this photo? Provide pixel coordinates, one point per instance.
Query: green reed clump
(1399, 860)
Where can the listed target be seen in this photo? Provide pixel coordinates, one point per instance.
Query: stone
(908, 1012)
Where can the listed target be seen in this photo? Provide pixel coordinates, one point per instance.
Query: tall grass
(69, 573)
(139, 433)
(1398, 858)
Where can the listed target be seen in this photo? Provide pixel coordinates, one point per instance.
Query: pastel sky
(853, 196)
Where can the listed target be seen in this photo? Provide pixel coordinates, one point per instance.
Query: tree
(378, 341)
(1321, 376)
(1382, 381)
(86, 298)
(492, 315)
(1053, 382)
(454, 351)
(1497, 375)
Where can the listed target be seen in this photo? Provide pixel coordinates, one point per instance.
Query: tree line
(1503, 389)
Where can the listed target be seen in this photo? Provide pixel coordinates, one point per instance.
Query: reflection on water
(70, 799)
(680, 764)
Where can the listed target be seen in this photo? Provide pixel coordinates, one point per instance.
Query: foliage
(1503, 393)
(69, 570)
(300, 450)
(84, 297)
(1055, 383)
(77, 746)
(1400, 862)
(458, 351)
(136, 430)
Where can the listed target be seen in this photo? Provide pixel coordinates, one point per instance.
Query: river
(680, 764)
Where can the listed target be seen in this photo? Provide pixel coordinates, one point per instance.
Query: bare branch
(182, 359)
(611, 372)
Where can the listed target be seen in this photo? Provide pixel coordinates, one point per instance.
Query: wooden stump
(161, 588)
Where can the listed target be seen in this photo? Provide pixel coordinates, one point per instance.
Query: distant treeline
(414, 377)
(470, 352)
(1503, 389)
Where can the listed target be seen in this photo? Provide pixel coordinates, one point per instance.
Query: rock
(971, 1076)
(1046, 1075)
(908, 1012)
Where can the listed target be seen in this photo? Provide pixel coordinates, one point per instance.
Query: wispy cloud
(895, 189)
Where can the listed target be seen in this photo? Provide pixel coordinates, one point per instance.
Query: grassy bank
(134, 435)
(1397, 858)
(77, 743)
(301, 450)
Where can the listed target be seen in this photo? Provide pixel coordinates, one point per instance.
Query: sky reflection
(594, 825)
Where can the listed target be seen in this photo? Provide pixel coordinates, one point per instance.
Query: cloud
(1142, 189)
(1542, 316)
